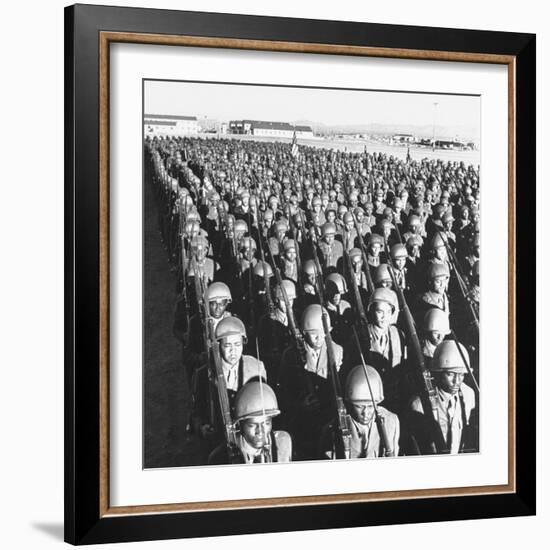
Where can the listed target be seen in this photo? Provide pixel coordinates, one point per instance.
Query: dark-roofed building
(266, 128)
(162, 125)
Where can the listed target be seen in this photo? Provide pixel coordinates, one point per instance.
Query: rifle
(295, 333)
(267, 286)
(370, 283)
(428, 396)
(388, 450)
(464, 290)
(343, 432)
(298, 259)
(215, 372)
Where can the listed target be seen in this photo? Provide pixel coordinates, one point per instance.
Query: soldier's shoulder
(415, 404)
(469, 395)
(284, 445)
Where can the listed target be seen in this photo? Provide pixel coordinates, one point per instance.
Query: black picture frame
(84, 522)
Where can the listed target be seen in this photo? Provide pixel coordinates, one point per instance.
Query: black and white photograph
(311, 273)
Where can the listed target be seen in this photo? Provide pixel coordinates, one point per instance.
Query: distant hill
(425, 131)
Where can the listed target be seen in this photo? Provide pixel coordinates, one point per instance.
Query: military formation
(327, 301)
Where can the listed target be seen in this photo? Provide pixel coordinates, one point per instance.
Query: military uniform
(280, 451)
(365, 440)
(306, 395)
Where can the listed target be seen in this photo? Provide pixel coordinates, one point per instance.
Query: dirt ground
(165, 389)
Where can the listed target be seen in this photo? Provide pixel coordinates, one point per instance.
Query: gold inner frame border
(105, 39)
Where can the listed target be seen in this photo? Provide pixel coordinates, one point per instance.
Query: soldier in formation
(327, 302)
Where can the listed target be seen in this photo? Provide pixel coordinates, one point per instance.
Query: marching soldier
(274, 328)
(435, 328)
(436, 295)
(304, 388)
(339, 309)
(456, 402)
(330, 250)
(217, 298)
(257, 443)
(289, 265)
(364, 392)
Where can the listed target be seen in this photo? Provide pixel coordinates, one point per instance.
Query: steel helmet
(447, 217)
(414, 220)
(358, 210)
(248, 242)
(255, 399)
(438, 211)
(312, 318)
(281, 225)
(193, 216)
(342, 209)
(192, 227)
(355, 253)
(414, 240)
(309, 267)
(375, 238)
(384, 295)
(289, 287)
(335, 283)
(218, 291)
(436, 319)
(398, 251)
(437, 241)
(199, 241)
(259, 269)
(328, 229)
(357, 388)
(348, 217)
(241, 225)
(382, 273)
(447, 357)
(288, 244)
(230, 326)
(316, 201)
(397, 203)
(438, 270)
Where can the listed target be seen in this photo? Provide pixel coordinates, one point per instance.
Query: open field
(358, 145)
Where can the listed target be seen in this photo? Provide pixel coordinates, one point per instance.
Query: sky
(223, 102)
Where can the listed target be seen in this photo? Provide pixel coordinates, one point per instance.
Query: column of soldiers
(328, 302)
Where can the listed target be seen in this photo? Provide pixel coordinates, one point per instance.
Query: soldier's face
(440, 253)
(201, 253)
(435, 337)
(290, 254)
(335, 298)
(450, 381)
(217, 308)
(329, 238)
(359, 216)
(362, 411)
(400, 262)
(331, 217)
(414, 251)
(375, 249)
(382, 313)
(310, 278)
(231, 348)
(385, 283)
(349, 226)
(439, 284)
(356, 264)
(315, 338)
(256, 431)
